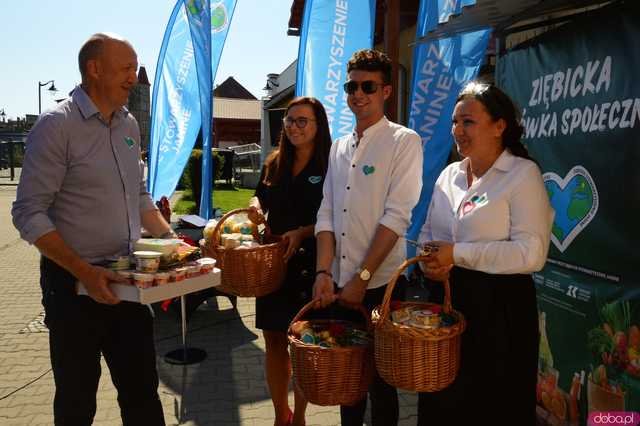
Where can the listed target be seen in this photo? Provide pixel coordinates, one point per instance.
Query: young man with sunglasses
(372, 184)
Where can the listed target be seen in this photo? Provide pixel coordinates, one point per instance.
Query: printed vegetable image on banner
(581, 116)
(331, 32)
(589, 355)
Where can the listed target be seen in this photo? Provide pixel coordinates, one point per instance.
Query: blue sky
(39, 41)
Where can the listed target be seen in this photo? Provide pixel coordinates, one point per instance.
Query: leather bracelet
(324, 271)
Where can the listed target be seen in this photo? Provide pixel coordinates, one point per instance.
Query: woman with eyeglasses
(488, 230)
(289, 193)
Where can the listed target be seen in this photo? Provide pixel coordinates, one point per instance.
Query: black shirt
(294, 201)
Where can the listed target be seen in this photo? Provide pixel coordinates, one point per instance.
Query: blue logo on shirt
(315, 179)
(130, 142)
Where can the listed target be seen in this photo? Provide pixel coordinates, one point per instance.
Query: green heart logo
(315, 179)
(129, 141)
(367, 170)
(575, 200)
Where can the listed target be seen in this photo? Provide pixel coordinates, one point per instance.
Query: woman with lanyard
(290, 191)
(487, 230)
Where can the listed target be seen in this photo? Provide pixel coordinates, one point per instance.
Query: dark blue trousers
(384, 397)
(80, 331)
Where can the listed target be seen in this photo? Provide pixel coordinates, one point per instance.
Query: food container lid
(166, 247)
(143, 276)
(147, 254)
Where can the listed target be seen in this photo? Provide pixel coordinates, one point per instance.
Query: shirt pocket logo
(315, 179)
(367, 170)
(130, 142)
(474, 202)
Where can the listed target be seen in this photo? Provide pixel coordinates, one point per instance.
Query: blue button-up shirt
(83, 177)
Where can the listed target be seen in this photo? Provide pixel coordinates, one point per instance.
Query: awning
(502, 14)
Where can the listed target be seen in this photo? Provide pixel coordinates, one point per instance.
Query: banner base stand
(185, 356)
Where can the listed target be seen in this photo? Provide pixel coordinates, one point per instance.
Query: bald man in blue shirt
(81, 201)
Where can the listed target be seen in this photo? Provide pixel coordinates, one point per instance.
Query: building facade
(139, 105)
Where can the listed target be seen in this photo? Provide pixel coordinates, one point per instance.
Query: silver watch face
(365, 275)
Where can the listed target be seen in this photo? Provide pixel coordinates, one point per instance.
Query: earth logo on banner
(219, 19)
(575, 200)
(196, 7)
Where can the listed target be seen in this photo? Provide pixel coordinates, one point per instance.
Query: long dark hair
(499, 106)
(280, 161)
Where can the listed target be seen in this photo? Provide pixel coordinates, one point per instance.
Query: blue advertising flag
(175, 106)
(209, 24)
(182, 93)
(331, 32)
(199, 15)
(441, 68)
(434, 12)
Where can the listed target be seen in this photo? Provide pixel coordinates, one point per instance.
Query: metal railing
(11, 156)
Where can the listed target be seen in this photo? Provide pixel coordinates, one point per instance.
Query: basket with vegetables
(332, 359)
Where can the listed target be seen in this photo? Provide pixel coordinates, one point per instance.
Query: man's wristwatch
(364, 274)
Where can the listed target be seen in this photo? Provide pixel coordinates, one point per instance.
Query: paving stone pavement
(227, 388)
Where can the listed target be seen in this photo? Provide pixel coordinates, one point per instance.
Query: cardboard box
(132, 293)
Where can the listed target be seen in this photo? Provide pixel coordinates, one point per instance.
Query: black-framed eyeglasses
(301, 122)
(367, 86)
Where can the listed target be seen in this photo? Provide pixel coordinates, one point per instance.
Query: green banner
(579, 91)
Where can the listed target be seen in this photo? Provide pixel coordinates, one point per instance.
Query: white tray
(132, 293)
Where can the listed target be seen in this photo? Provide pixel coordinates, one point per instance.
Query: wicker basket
(250, 272)
(331, 376)
(416, 359)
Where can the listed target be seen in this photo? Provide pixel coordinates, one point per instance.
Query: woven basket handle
(385, 308)
(217, 231)
(306, 308)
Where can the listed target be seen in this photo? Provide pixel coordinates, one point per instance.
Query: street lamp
(52, 89)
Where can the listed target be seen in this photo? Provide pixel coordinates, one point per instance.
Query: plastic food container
(147, 261)
(128, 275)
(425, 318)
(120, 263)
(193, 271)
(206, 264)
(142, 280)
(161, 278)
(181, 274)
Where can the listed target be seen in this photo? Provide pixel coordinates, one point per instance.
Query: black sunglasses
(367, 86)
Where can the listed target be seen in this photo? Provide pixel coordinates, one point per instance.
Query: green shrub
(193, 170)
